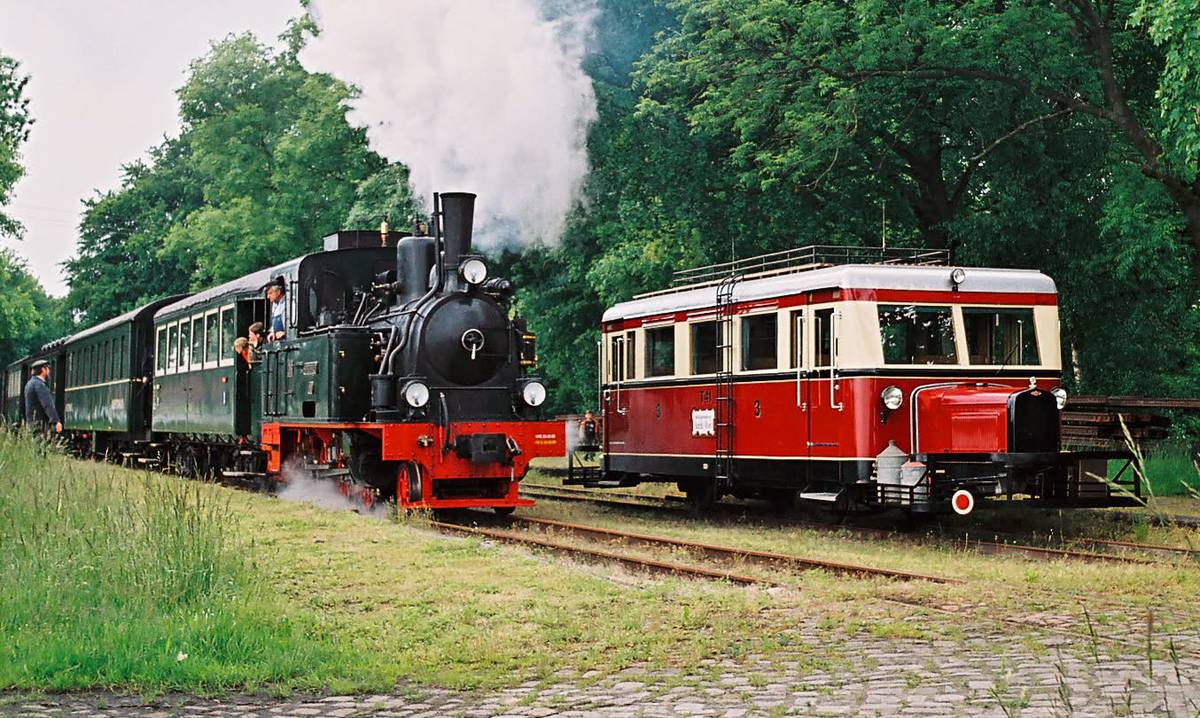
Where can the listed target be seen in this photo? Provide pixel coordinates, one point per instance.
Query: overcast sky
(102, 91)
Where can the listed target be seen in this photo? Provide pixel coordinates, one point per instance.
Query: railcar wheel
(702, 494)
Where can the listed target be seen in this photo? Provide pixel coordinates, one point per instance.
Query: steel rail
(766, 558)
(992, 548)
(655, 565)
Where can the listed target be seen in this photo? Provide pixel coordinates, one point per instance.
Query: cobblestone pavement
(990, 674)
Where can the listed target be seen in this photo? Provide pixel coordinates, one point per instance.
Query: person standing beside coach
(40, 413)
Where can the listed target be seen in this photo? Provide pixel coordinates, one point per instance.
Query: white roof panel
(850, 276)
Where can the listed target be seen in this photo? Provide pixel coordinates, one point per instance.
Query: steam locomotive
(401, 375)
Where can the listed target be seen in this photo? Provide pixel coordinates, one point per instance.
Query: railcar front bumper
(1061, 479)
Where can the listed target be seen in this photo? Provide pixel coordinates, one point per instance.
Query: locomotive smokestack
(458, 217)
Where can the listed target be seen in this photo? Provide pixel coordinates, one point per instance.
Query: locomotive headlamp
(534, 393)
(473, 270)
(1060, 397)
(416, 393)
(957, 276)
(892, 397)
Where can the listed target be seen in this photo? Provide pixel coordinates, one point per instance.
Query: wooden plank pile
(1094, 422)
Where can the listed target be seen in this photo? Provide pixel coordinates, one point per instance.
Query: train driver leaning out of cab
(277, 306)
(40, 413)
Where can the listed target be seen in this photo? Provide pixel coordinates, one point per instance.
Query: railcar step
(147, 460)
(824, 496)
(241, 474)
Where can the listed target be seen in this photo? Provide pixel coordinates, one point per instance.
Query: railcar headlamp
(473, 270)
(1060, 397)
(892, 397)
(958, 275)
(534, 393)
(416, 393)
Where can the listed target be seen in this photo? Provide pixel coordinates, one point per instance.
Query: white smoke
(300, 486)
(484, 96)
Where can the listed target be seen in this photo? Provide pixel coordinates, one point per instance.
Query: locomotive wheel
(411, 474)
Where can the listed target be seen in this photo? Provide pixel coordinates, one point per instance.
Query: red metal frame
(421, 445)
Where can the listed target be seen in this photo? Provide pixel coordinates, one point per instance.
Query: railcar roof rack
(814, 256)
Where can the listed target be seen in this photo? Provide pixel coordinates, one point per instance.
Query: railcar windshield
(914, 334)
(999, 336)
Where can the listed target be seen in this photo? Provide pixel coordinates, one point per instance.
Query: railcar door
(616, 400)
(800, 360)
(825, 408)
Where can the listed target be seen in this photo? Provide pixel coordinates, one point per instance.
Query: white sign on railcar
(704, 422)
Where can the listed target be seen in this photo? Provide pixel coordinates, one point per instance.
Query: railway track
(536, 530)
(994, 548)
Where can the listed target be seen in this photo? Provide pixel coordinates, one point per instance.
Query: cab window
(1000, 336)
(913, 334)
(660, 351)
(760, 334)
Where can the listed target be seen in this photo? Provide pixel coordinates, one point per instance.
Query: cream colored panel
(681, 349)
(858, 334)
(1045, 320)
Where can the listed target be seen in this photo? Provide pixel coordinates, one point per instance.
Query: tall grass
(1170, 470)
(111, 579)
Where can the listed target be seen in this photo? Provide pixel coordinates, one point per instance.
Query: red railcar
(884, 379)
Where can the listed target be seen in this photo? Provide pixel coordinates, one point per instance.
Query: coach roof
(850, 276)
(249, 285)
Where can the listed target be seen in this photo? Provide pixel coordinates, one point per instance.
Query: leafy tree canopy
(14, 130)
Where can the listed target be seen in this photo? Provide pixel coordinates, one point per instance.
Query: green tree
(28, 316)
(265, 166)
(385, 195)
(14, 130)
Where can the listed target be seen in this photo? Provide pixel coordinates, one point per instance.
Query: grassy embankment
(119, 579)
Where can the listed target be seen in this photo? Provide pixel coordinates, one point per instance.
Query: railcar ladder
(723, 428)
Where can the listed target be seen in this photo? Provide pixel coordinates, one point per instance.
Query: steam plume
(484, 96)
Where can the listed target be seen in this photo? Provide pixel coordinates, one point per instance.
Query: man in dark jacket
(40, 413)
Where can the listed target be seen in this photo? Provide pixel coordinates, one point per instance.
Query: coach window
(823, 346)
(228, 334)
(172, 347)
(796, 328)
(198, 342)
(185, 343)
(912, 334)
(660, 351)
(212, 342)
(1000, 336)
(760, 338)
(160, 359)
(705, 356)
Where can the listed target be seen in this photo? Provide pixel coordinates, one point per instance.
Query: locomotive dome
(851, 276)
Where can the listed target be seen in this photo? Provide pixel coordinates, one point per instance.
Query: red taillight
(963, 502)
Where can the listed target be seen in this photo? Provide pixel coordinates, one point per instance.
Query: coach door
(799, 362)
(825, 408)
(616, 400)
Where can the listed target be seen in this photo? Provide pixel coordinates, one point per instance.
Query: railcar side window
(616, 358)
(213, 343)
(706, 358)
(913, 334)
(660, 351)
(160, 359)
(760, 337)
(1000, 336)
(630, 355)
(172, 347)
(185, 344)
(823, 324)
(198, 342)
(796, 323)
